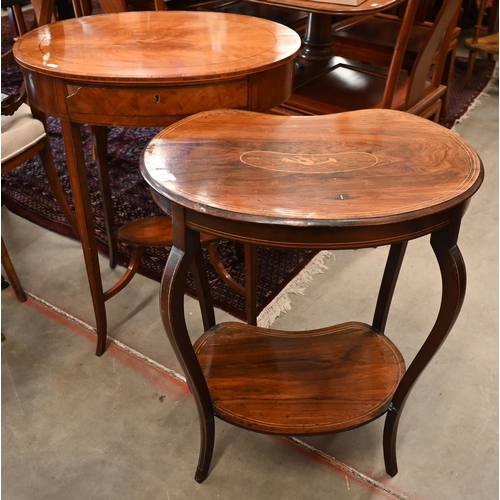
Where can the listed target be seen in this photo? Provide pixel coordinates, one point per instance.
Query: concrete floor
(124, 426)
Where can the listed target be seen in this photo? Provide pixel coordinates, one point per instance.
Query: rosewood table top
(280, 172)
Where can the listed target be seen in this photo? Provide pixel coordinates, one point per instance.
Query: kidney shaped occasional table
(345, 181)
(147, 69)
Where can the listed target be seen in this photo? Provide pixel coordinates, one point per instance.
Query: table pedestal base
(317, 43)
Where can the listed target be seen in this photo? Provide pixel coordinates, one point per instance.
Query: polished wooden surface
(351, 180)
(244, 166)
(299, 383)
(205, 60)
(146, 69)
(156, 47)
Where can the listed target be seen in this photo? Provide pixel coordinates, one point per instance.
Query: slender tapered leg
(100, 143)
(388, 285)
(453, 276)
(83, 209)
(186, 245)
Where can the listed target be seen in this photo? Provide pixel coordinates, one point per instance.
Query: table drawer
(128, 105)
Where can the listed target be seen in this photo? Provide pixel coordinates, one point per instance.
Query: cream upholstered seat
(20, 132)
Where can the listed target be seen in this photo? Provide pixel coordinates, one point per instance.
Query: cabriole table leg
(186, 252)
(453, 276)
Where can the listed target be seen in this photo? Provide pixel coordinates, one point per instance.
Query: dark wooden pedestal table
(346, 181)
(146, 69)
(317, 43)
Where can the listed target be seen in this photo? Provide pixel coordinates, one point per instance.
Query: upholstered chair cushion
(19, 132)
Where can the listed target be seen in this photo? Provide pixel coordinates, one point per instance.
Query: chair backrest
(399, 52)
(438, 39)
(440, 35)
(44, 11)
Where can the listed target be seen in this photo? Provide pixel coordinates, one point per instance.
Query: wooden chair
(23, 136)
(371, 39)
(486, 43)
(17, 21)
(350, 85)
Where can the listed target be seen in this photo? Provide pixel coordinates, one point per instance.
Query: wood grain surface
(157, 47)
(311, 382)
(346, 168)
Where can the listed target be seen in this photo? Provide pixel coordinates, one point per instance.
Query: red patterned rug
(25, 192)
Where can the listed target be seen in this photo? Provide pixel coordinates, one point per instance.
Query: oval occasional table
(146, 69)
(345, 181)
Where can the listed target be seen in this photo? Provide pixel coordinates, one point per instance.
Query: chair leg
(470, 66)
(12, 275)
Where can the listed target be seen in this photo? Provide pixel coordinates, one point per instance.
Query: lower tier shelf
(298, 383)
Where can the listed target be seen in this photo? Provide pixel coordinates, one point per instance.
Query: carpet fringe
(282, 303)
(492, 86)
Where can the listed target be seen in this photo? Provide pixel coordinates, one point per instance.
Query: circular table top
(156, 46)
(344, 169)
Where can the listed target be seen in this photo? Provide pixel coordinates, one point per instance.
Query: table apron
(153, 105)
(302, 236)
(324, 237)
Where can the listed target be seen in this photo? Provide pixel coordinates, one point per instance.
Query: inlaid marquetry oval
(310, 163)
